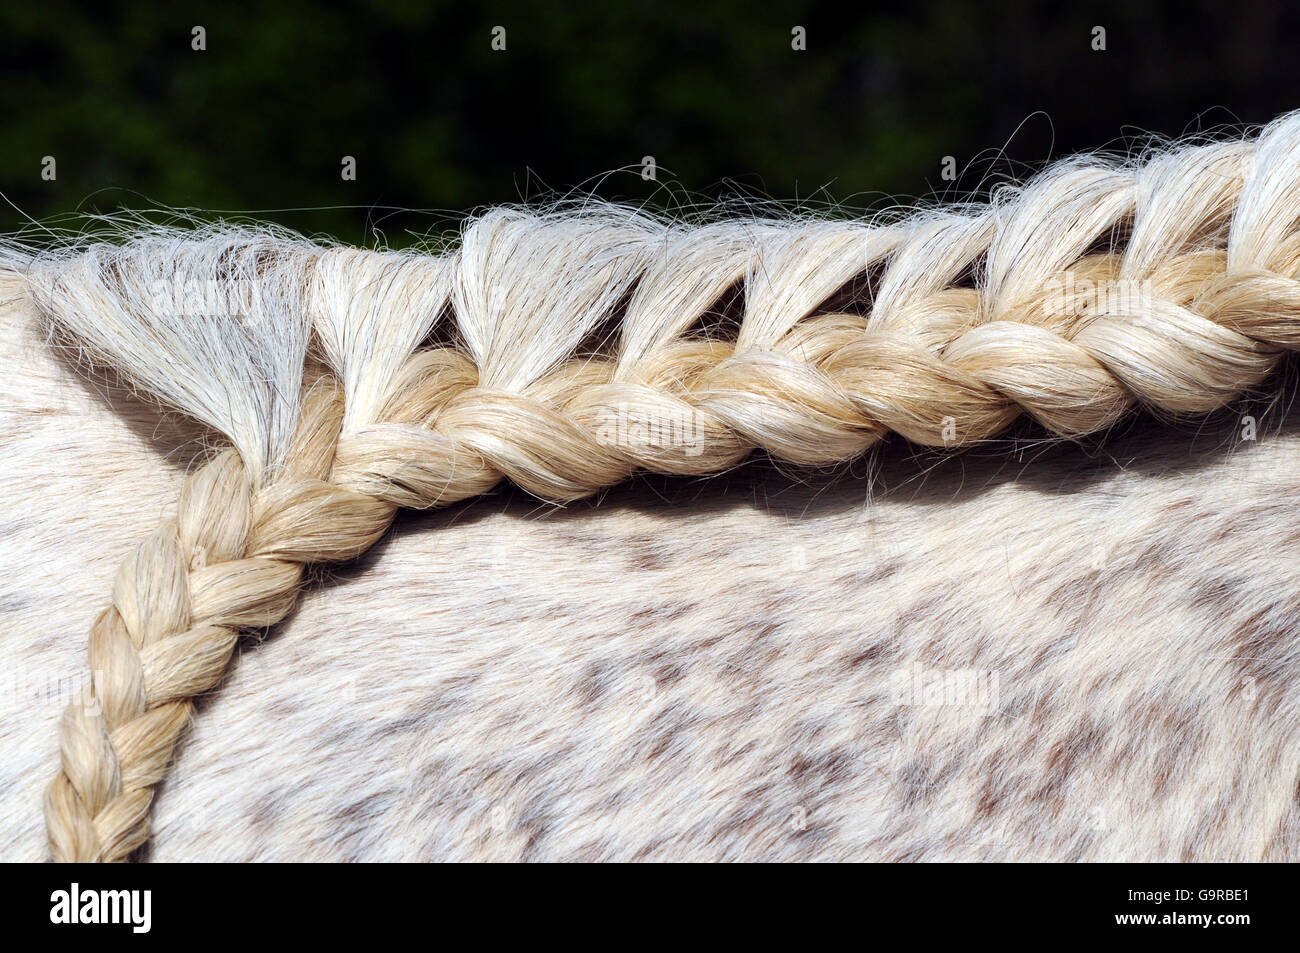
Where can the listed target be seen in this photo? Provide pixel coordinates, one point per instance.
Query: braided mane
(564, 351)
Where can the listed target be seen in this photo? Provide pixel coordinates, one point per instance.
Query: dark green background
(439, 122)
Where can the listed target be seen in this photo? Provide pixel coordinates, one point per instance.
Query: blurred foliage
(439, 122)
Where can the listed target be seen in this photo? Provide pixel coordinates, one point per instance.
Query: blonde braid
(975, 318)
(231, 560)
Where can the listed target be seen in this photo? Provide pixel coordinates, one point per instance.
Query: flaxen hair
(563, 350)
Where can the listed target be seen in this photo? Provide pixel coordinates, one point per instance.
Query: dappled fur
(1053, 634)
(702, 670)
